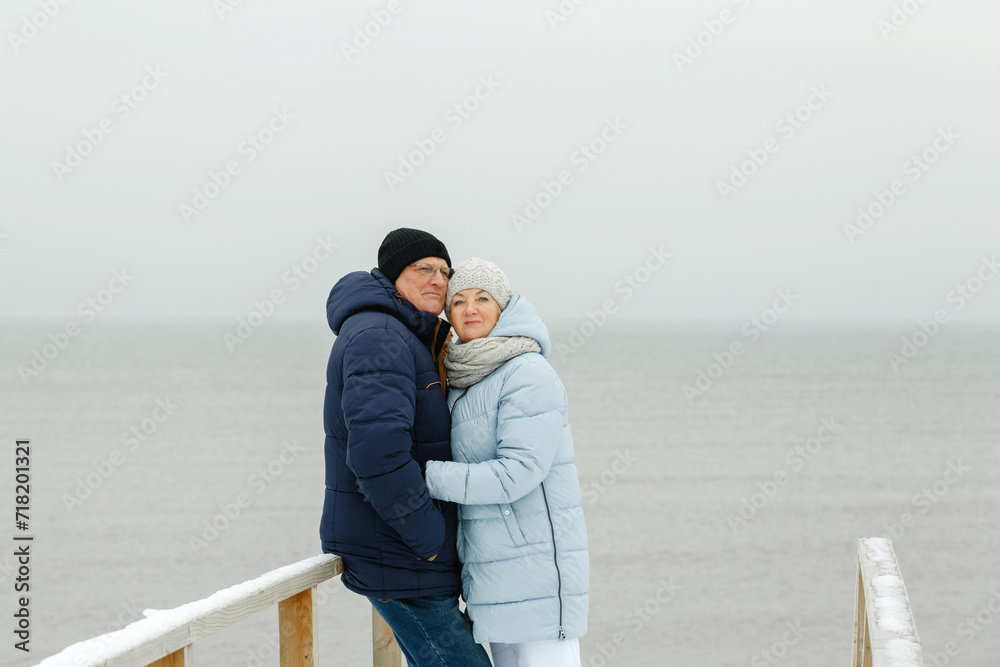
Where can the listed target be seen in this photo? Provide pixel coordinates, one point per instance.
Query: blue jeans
(432, 632)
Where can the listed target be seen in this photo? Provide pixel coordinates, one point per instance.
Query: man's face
(427, 293)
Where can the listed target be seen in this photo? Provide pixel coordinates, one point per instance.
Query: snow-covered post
(884, 632)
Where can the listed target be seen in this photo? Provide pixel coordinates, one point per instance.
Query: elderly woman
(521, 538)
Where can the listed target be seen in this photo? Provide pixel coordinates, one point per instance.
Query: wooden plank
(296, 629)
(890, 632)
(385, 650)
(215, 612)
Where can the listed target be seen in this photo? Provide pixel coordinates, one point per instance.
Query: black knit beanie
(402, 247)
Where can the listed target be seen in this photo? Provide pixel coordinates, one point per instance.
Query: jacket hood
(520, 318)
(359, 292)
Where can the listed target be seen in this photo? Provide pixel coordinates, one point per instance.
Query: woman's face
(474, 313)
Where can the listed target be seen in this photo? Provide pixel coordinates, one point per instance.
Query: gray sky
(338, 122)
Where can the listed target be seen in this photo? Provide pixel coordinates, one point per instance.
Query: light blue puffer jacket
(521, 536)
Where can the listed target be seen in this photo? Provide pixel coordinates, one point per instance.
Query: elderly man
(385, 416)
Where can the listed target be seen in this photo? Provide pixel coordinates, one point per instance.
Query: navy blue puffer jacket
(385, 416)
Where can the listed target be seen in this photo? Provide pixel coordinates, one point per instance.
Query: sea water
(724, 495)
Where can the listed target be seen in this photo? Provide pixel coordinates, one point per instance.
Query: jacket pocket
(510, 518)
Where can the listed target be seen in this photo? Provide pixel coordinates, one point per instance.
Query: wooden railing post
(884, 630)
(179, 658)
(385, 650)
(862, 648)
(297, 630)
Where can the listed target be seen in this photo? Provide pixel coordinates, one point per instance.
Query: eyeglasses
(427, 270)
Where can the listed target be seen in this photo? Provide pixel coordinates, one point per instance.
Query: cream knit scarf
(470, 362)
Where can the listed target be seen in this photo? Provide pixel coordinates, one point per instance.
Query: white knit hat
(481, 274)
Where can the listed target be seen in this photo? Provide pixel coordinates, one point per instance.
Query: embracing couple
(449, 462)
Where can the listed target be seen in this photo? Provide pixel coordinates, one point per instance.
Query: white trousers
(547, 653)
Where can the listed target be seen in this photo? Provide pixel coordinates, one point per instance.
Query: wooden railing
(884, 632)
(164, 638)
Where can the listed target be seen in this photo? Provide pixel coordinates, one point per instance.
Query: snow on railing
(164, 637)
(884, 632)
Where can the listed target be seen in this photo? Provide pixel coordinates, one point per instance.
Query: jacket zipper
(439, 355)
(458, 399)
(555, 558)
